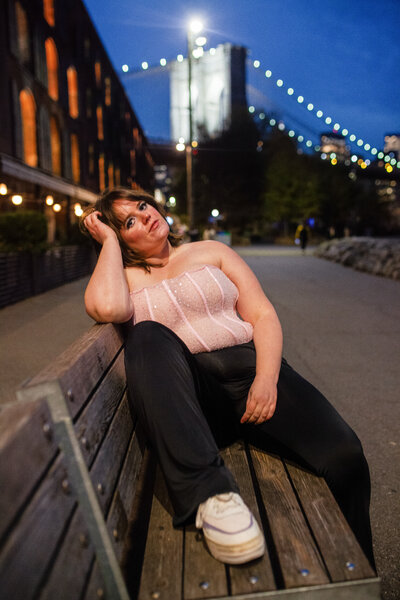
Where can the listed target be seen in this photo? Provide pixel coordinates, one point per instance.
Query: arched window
(72, 79)
(76, 169)
(102, 175)
(48, 12)
(100, 130)
(22, 33)
(55, 146)
(52, 68)
(28, 117)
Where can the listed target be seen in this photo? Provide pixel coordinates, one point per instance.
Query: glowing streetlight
(215, 213)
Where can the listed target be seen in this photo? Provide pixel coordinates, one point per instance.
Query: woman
(199, 376)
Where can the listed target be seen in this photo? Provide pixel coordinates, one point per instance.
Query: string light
(319, 113)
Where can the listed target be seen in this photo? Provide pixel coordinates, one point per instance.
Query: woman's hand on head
(97, 229)
(261, 401)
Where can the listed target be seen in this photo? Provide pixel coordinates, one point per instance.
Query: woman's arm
(254, 307)
(107, 298)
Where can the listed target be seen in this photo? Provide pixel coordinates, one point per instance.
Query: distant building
(392, 144)
(68, 130)
(218, 85)
(334, 142)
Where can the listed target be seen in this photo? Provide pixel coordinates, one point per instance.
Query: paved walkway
(341, 330)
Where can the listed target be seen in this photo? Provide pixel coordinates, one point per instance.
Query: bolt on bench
(84, 512)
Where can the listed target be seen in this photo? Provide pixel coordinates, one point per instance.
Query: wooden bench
(84, 512)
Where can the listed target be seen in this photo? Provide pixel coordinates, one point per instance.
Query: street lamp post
(194, 28)
(189, 155)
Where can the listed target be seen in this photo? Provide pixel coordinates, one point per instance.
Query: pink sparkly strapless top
(198, 305)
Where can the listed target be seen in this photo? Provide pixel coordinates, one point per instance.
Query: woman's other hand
(261, 401)
(97, 229)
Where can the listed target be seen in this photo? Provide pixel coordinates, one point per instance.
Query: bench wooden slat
(299, 558)
(204, 577)
(25, 439)
(83, 364)
(336, 541)
(162, 565)
(258, 575)
(69, 573)
(105, 470)
(31, 546)
(118, 520)
(96, 417)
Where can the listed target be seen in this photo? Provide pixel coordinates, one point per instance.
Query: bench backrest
(70, 464)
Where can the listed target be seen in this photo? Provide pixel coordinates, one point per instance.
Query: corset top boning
(199, 305)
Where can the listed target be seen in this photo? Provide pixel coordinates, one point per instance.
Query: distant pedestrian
(302, 236)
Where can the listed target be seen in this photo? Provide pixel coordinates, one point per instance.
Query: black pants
(190, 405)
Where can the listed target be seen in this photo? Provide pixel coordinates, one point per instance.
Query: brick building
(67, 129)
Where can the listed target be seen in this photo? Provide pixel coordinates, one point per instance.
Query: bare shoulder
(209, 252)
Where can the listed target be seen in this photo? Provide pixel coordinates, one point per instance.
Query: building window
(137, 138)
(100, 130)
(110, 173)
(48, 12)
(91, 159)
(72, 79)
(97, 73)
(133, 162)
(107, 93)
(102, 175)
(52, 68)
(55, 146)
(89, 111)
(76, 169)
(22, 33)
(28, 117)
(87, 48)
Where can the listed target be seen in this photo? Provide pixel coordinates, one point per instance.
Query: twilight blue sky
(342, 56)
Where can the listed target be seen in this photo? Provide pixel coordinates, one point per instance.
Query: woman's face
(143, 228)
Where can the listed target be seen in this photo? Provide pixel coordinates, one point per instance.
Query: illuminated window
(100, 130)
(91, 159)
(55, 146)
(97, 72)
(22, 33)
(102, 175)
(117, 176)
(72, 80)
(137, 138)
(28, 117)
(76, 169)
(52, 68)
(107, 93)
(48, 11)
(110, 173)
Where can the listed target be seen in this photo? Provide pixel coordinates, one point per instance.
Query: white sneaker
(231, 532)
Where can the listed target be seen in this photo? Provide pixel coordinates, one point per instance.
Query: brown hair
(104, 205)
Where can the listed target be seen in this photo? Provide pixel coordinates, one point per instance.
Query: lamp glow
(215, 212)
(16, 199)
(57, 207)
(195, 26)
(49, 200)
(3, 189)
